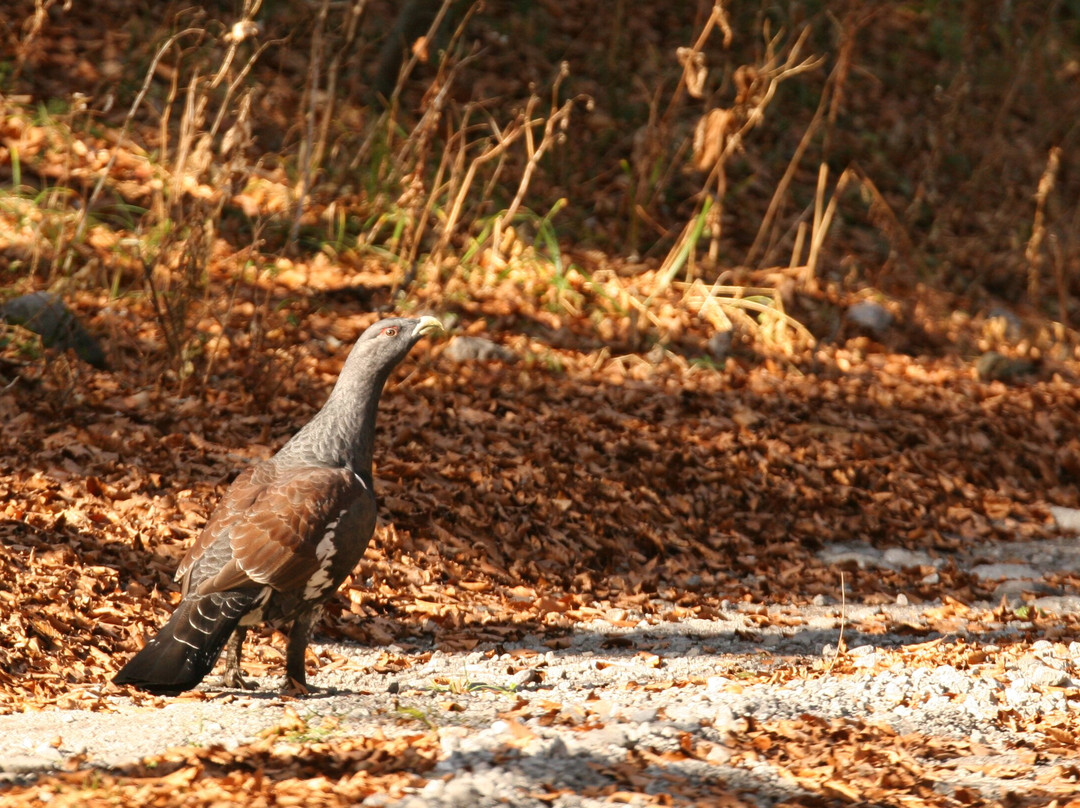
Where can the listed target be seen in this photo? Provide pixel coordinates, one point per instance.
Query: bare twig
(307, 142)
(124, 129)
(843, 619)
(1033, 252)
(557, 119)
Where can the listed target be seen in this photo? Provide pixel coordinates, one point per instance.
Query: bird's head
(386, 342)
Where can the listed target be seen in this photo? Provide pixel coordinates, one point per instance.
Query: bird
(285, 534)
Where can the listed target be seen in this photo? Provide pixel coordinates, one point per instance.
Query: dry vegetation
(228, 193)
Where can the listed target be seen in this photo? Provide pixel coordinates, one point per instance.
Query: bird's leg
(234, 674)
(295, 674)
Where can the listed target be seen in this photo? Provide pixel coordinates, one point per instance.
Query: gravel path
(525, 721)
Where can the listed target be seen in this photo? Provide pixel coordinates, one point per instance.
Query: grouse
(285, 535)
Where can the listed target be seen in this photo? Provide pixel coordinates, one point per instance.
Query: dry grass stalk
(412, 157)
(121, 136)
(841, 645)
(415, 54)
(352, 26)
(1057, 260)
(204, 167)
(780, 192)
(822, 221)
(503, 140)
(555, 127)
(828, 107)
(721, 132)
(1033, 252)
(307, 142)
(718, 303)
(31, 28)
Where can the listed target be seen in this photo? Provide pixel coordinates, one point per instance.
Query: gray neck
(342, 433)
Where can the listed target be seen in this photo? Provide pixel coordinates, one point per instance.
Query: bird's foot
(297, 687)
(236, 680)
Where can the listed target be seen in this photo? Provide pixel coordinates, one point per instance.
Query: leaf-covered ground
(524, 497)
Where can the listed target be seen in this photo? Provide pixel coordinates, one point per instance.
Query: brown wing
(239, 497)
(273, 521)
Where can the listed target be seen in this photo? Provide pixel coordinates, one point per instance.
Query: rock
(863, 555)
(725, 720)
(645, 715)
(718, 755)
(604, 710)
(895, 692)
(656, 354)
(1010, 325)
(899, 558)
(864, 656)
(1046, 676)
(459, 791)
(718, 684)
(683, 714)
(950, 680)
(995, 367)
(528, 676)
(989, 572)
(380, 800)
(45, 314)
(719, 345)
(611, 734)
(1066, 518)
(477, 349)
(1014, 591)
(895, 558)
(870, 315)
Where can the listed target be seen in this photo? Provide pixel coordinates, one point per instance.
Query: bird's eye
(390, 331)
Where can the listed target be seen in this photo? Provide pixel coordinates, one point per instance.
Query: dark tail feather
(186, 648)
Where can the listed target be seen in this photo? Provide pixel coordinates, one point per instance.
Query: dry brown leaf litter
(276, 770)
(520, 497)
(527, 498)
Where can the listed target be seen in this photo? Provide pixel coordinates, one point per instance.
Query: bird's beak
(427, 325)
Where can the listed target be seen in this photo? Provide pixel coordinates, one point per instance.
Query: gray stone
(1046, 676)
(645, 715)
(1014, 591)
(724, 719)
(719, 345)
(870, 315)
(45, 314)
(477, 349)
(898, 558)
(950, 680)
(611, 734)
(1011, 325)
(991, 572)
(863, 555)
(1066, 518)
